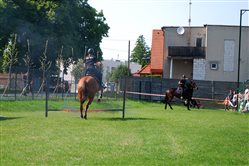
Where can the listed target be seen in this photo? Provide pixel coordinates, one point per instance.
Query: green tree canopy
(141, 52)
(71, 24)
(78, 70)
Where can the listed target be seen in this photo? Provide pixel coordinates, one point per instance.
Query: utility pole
(129, 47)
(242, 11)
(125, 81)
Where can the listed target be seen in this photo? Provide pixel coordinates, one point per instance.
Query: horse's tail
(82, 89)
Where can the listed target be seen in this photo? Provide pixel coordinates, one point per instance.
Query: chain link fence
(32, 86)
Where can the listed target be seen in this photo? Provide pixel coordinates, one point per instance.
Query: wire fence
(32, 85)
(143, 88)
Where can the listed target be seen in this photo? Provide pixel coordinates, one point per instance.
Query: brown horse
(187, 94)
(88, 86)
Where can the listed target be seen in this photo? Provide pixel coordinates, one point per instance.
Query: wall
(213, 38)
(157, 48)
(16, 80)
(182, 67)
(216, 37)
(171, 38)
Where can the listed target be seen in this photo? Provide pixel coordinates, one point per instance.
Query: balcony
(187, 52)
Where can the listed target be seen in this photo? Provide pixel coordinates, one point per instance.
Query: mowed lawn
(149, 135)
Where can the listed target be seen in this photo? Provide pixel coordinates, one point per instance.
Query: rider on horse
(182, 85)
(90, 64)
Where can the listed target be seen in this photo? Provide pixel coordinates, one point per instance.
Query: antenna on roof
(189, 24)
(189, 20)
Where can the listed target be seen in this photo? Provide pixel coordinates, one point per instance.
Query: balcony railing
(187, 52)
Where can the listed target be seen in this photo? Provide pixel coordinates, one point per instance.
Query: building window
(214, 66)
(229, 55)
(198, 42)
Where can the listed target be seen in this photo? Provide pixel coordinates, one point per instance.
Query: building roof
(145, 70)
(156, 59)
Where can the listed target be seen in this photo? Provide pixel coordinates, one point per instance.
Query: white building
(110, 65)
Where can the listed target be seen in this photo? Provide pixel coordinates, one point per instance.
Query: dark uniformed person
(90, 65)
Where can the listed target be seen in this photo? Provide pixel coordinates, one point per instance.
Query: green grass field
(149, 135)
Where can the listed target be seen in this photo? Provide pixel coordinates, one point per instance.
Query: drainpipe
(171, 68)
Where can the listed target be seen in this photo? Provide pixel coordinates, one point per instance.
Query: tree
(45, 66)
(58, 72)
(78, 70)
(10, 58)
(141, 52)
(10, 54)
(73, 24)
(28, 63)
(120, 71)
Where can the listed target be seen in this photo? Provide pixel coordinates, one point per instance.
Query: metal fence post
(124, 97)
(46, 94)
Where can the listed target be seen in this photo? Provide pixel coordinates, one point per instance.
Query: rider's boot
(181, 96)
(103, 85)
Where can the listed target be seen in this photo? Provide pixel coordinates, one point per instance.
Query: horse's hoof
(85, 117)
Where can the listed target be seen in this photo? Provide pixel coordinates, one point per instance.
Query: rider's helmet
(90, 51)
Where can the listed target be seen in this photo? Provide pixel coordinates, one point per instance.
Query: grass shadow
(54, 109)
(124, 119)
(2, 118)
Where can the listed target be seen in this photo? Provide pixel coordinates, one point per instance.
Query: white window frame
(214, 66)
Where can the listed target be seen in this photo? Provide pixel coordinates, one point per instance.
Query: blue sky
(129, 19)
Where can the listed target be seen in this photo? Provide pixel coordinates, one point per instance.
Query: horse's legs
(82, 100)
(167, 101)
(188, 103)
(81, 109)
(87, 106)
(170, 106)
